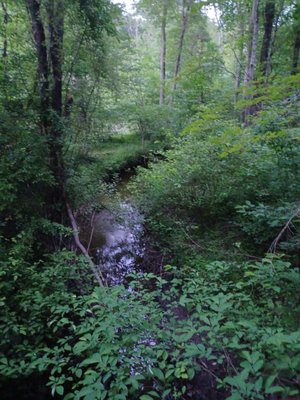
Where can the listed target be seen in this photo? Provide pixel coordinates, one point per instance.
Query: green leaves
(111, 353)
(94, 359)
(158, 374)
(59, 390)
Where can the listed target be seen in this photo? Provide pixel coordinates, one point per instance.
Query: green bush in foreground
(235, 323)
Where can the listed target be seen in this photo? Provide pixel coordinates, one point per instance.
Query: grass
(120, 152)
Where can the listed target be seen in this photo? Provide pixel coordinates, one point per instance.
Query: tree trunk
(296, 47)
(269, 15)
(163, 54)
(239, 58)
(56, 31)
(5, 22)
(5, 78)
(296, 53)
(251, 58)
(186, 5)
(252, 46)
(238, 77)
(43, 66)
(49, 58)
(55, 13)
(280, 9)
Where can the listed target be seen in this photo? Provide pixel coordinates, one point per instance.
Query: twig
(92, 232)
(286, 227)
(205, 367)
(229, 361)
(191, 239)
(70, 72)
(98, 275)
(91, 238)
(236, 57)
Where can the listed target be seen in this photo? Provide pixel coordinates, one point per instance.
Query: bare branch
(97, 274)
(287, 227)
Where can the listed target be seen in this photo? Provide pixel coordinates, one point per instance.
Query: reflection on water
(117, 241)
(117, 245)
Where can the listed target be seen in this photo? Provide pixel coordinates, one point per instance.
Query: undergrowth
(233, 323)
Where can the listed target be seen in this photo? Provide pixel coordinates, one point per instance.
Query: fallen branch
(97, 274)
(286, 227)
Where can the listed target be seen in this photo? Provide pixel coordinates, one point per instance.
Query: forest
(150, 200)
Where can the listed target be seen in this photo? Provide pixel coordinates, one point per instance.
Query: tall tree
(49, 60)
(5, 46)
(42, 60)
(279, 12)
(239, 52)
(252, 43)
(186, 6)
(47, 23)
(158, 13)
(251, 55)
(5, 22)
(163, 52)
(296, 45)
(265, 53)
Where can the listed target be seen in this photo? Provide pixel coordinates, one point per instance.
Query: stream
(116, 237)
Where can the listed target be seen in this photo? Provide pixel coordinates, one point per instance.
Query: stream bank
(119, 244)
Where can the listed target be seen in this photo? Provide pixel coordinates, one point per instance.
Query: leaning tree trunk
(163, 53)
(269, 16)
(186, 5)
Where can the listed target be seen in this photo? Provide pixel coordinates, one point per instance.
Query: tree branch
(286, 227)
(97, 274)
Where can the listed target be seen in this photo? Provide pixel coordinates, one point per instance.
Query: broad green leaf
(60, 390)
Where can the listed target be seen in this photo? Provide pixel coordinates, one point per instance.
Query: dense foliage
(238, 179)
(202, 100)
(163, 335)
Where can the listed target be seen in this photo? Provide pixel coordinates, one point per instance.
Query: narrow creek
(118, 245)
(116, 236)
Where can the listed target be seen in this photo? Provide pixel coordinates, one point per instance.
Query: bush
(232, 322)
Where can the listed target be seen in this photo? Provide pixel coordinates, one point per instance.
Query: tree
(157, 12)
(5, 22)
(296, 45)
(251, 55)
(265, 53)
(50, 61)
(252, 43)
(186, 6)
(48, 30)
(163, 52)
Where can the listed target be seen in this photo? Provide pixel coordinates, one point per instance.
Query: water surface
(115, 237)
